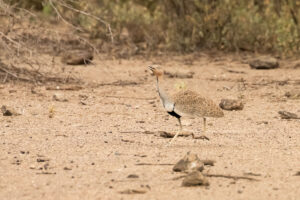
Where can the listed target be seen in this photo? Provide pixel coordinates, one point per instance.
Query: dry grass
(25, 35)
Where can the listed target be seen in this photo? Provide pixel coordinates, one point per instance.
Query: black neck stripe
(174, 114)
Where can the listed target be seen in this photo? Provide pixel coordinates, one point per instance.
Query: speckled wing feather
(190, 103)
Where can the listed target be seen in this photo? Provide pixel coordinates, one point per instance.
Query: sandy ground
(102, 133)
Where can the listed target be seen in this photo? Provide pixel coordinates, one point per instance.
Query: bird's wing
(190, 103)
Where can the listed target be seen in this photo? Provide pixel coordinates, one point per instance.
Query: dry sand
(102, 133)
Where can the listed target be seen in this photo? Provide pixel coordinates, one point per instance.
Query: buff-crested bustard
(186, 103)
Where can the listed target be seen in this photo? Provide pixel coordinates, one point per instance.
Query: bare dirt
(103, 141)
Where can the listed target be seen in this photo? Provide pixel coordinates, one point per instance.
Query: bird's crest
(155, 70)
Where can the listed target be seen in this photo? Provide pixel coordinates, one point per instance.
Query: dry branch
(92, 16)
(23, 46)
(221, 176)
(231, 177)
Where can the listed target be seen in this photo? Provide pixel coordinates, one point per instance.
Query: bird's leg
(204, 125)
(177, 133)
(203, 136)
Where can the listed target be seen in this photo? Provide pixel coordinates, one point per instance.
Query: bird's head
(156, 70)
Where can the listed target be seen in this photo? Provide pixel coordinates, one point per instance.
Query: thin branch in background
(61, 17)
(20, 63)
(75, 27)
(27, 11)
(90, 44)
(89, 15)
(11, 40)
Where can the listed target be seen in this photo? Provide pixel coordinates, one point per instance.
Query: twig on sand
(158, 164)
(124, 97)
(13, 75)
(8, 72)
(221, 176)
(231, 177)
(47, 173)
(65, 87)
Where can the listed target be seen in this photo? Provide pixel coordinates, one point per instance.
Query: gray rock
(59, 97)
(293, 94)
(264, 62)
(8, 111)
(231, 104)
(179, 74)
(195, 178)
(288, 115)
(133, 176)
(77, 57)
(190, 162)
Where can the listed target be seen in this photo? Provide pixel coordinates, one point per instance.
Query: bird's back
(191, 103)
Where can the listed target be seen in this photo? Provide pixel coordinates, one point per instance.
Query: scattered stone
(132, 176)
(201, 137)
(251, 174)
(296, 65)
(41, 160)
(17, 162)
(64, 87)
(140, 155)
(82, 102)
(293, 94)
(231, 104)
(32, 167)
(297, 173)
(46, 166)
(151, 102)
(208, 162)
(288, 115)
(133, 191)
(179, 74)
(83, 96)
(125, 140)
(12, 91)
(148, 132)
(171, 135)
(264, 62)
(8, 111)
(59, 97)
(46, 173)
(262, 122)
(24, 152)
(77, 57)
(195, 178)
(190, 162)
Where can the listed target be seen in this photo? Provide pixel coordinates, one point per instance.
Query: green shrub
(189, 25)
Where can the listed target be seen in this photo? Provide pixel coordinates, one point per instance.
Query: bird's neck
(167, 102)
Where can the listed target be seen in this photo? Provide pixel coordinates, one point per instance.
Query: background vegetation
(266, 26)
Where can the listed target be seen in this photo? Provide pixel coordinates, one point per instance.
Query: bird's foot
(181, 133)
(170, 142)
(201, 137)
(175, 136)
